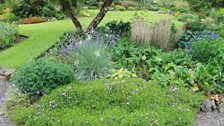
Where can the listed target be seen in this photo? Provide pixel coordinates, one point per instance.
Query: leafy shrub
(130, 8)
(121, 73)
(8, 34)
(92, 3)
(203, 50)
(9, 17)
(188, 18)
(112, 102)
(129, 55)
(48, 11)
(27, 9)
(189, 37)
(204, 5)
(119, 8)
(60, 16)
(117, 28)
(33, 20)
(209, 23)
(42, 76)
(220, 15)
(192, 22)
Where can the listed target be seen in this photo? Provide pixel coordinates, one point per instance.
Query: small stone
(222, 100)
(221, 108)
(208, 106)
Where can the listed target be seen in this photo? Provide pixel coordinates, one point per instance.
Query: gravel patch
(4, 121)
(210, 119)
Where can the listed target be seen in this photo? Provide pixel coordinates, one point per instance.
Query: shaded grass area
(44, 35)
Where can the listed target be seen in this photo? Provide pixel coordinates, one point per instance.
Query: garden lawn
(44, 35)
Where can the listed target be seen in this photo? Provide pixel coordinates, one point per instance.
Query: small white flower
(76, 62)
(97, 53)
(144, 57)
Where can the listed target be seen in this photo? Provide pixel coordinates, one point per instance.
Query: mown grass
(44, 35)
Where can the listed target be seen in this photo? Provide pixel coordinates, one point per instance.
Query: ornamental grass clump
(163, 34)
(90, 56)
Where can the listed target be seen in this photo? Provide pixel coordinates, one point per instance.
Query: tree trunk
(68, 7)
(99, 16)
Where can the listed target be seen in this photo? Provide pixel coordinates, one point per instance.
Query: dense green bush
(42, 76)
(220, 15)
(9, 17)
(115, 27)
(204, 50)
(8, 34)
(48, 11)
(112, 102)
(192, 21)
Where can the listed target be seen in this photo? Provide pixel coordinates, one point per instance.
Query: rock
(6, 73)
(221, 108)
(222, 100)
(208, 106)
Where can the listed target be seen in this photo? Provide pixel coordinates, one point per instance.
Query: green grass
(44, 35)
(112, 102)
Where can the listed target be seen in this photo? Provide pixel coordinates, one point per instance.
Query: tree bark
(99, 16)
(68, 7)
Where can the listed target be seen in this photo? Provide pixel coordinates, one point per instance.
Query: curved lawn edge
(43, 35)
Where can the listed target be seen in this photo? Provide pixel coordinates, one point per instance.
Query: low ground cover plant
(8, 35)
(42, 76)
(112, 102)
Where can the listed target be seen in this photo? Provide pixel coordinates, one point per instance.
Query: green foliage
(8, 34)
(42, 76)
(203, 5)
(220, 15)
(60, 16)
(130, 8)
(9, 17)
(15, 99)
(84, 13)
(112, 102)
(176, 67)
(91, 60)
(119, 8)
(204, 50)
(116, 27)
(192, 21)
(48, 11)
(132, 56)
(121, 73)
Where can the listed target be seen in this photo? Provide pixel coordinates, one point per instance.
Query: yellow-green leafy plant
(121, 73)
